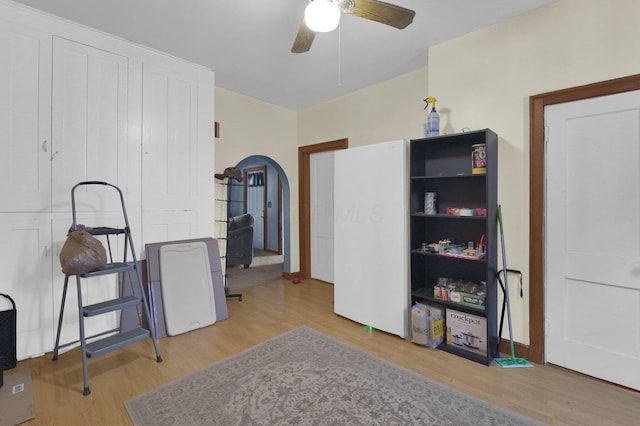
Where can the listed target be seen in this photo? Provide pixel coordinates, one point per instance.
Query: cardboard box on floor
(16, 399)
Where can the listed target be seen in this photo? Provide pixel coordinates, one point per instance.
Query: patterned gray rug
(304, 377)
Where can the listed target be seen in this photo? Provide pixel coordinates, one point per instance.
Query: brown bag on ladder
(82, 253)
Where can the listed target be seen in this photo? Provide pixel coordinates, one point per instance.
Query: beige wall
(386, 111)
(484, 79)
(249, 127)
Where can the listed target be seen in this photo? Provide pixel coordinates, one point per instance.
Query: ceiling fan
(374, 10)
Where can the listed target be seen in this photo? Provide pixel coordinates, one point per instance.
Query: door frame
(265, 217)
(304, 198)
(535, 352)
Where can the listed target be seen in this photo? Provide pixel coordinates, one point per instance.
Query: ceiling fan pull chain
(339, 55)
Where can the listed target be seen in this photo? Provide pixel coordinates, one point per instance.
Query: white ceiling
(247, 43)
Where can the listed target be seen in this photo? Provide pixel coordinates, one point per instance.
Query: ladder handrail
(97, 182)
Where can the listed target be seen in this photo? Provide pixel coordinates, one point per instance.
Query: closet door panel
(177, 152)
(25, 87)
(89, 121)
(155, 137)
(169, 226)
(26, 276)
(89, 135)
(169, 139)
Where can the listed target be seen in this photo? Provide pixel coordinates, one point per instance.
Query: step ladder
(112, 339)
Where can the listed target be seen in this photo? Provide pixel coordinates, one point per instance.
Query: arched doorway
(277, 192)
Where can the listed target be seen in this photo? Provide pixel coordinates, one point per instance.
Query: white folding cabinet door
(371, 236)
(89, 142)
(71, 105)
(25, 181)
(25, 118)
(89, 128)
(177, 151)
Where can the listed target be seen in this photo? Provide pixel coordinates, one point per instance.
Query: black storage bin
(8, 336)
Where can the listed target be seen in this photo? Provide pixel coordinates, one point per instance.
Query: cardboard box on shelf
(467, 331)
(469, 299)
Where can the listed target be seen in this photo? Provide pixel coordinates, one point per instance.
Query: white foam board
(187, 287)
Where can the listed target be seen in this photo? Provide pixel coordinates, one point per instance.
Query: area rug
(304, 377)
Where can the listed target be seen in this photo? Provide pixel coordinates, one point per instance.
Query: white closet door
(89, 142)
(71, 112)
(26, 276)
(177, 163)
(25, 189)
(89, 127)
(25, 118)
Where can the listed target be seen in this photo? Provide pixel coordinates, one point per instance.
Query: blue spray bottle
(432, 127)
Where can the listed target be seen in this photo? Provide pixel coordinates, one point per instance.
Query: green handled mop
(512, 362)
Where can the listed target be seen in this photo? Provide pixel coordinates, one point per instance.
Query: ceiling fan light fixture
(322, 16)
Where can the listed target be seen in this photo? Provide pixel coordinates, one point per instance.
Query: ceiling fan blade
(303, 40)
(382, 12)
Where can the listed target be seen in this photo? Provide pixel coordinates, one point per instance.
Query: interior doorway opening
(275, 184)
(304, 198)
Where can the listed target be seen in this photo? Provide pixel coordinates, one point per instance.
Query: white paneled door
(25, 118)
(321, 185)
(89, 129)
(169, 149)
(25, 182)
(26, 276)
(76, 105)
(255, 184)
(593, 237)
(177, 152)
(89, 142)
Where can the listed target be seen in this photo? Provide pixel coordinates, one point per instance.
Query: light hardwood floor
(546, 393)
